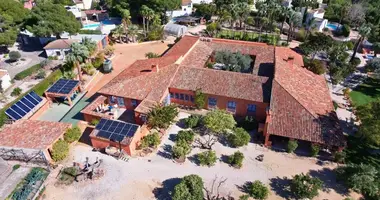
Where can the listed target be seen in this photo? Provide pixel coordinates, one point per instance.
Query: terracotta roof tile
(32, 134)
(61, 44)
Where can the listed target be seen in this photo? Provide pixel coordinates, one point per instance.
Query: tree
(363, 178)
(219, 121)
(212, 29)
(151, 140)
(16, 92)
(370, 122)
(292, 146)
(304, 186)
(205, 10)
(132, 32)
(12, 14)
(316, 43)
(78, 55)
(118, 33)
(314, 148)
(192, 121)
(47, 19)
(284, 14)
(236, 159)
(295, 20)
(187, 136)
(90, 45)
(364, 31)
(126, 17)
(238, 138)
(190, 188)
(316, 66)
(72, 134)
(345, 30)
(372, 65)
(233, 61)
(14, 56)
(257, 190)
(199, 99)
(207, 158)
(162, 116)
(60, 150)
(356, 15)
(180, 149)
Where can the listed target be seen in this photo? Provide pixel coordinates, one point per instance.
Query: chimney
(290, 60)
(155, 68)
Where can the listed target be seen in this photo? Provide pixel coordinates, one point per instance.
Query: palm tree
(295, 20)
(150, 15)
(78, 54)
(144, 12)
(242, 13)
(284, 13)
(126, 18)
(364, 31)
(309, 26)
(132, 32)
(90, 44)
(263, 21)
(118, 32)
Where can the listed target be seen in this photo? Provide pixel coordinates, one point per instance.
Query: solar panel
(63, 86)
(23, 106)
(115, 130)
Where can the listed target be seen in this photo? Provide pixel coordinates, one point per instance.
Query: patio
(99, 108)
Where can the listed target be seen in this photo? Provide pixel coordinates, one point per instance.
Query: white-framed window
(112, 99)
(212, 102)
(231, 106)
(120, 101)
(251, 108)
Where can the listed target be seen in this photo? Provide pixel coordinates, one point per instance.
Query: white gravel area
(138, 178)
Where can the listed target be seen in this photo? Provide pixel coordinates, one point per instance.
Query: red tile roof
(32, 134)
(61, 44)
(301, 106)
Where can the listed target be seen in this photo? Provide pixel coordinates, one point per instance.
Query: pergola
(63, 88)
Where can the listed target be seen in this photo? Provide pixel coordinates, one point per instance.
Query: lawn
(366, 92)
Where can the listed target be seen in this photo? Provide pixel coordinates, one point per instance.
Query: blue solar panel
(23, 106)
(63, 86)
(116, 130)
(100, 124)
(104, 134)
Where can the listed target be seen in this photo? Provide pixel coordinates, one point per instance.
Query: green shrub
(181, 149)
(345, 30)
(314, 148)
(190, 188)
(257, 190)
(88, 68)
(67, 175)
(28, 72)
(91, 32)
(339, 156)
(335, 105)
(14, 56)
(292, 146)
(72, 134)
(236, 159)
(16, 92)
(94, 122)
(162, 116)
(350, 45)
(151, 140)
(187, 136)
(152, 55)
(68, 75)
(249, 123)
(15, 167)
(60, 150)
(199, 99)
(356, 61)
(41, 74)
(192, 121)
(98, 61)
(207, 158)
(305, 186)
(316, 66)
(238, 138)
(301, 35)
(244, 197)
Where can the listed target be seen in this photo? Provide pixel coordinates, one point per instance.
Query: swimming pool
(91, 26)
(333, 27)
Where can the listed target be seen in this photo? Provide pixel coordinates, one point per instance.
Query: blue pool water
(370, 57)
(333, 27)
(91, 25)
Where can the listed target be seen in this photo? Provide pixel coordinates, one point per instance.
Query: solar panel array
(63, 86)
(23, 106)
(115, 130)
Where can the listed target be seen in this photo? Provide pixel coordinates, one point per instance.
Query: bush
(108, 51)
(244, 197)
(72, 134)
(152, 55)
(335, 105)
(236, 159)
(14, 56)
(207, 158)
(199, 99)
(41, 74)
(88, 68)
(192, 121)
(99, 60)
(233, 61)
(151, 140)
(305, 186)
(181, 149)
(28, 72)
(301, 35)
(350, 45)
(190, 188)
(187, 136)
(94, 122)
(15, 167)
(346, 92)
(67, 175)
(60, 150)
(162, 116)
(249, 123)
(239, 138)
(315, 66)
(292, 146)
(17, 91)
(345, 30)
(339, 156)
(257, 190)
(355, 62)
(314, 148)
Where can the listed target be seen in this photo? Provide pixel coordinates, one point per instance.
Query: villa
(288, 100)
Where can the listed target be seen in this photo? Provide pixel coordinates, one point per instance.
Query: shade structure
(175, 30)
(63, 86)
(27, 104)
(115, 130)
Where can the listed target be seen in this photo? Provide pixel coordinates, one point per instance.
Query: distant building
(186, 10)
(75, 10)
(201, 1)
(29, 4)
(83, 4)
(5, 79)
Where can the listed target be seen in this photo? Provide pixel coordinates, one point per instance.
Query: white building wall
(5, 80)
(60, 53)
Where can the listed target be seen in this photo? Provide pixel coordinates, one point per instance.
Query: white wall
(5, 80)
(54, 52)
(85, 5)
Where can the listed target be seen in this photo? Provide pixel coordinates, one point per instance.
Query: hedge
(40, 88)
(28, 72)
(60, 150)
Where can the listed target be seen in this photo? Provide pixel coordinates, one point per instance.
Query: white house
(5, 79)
(83, 4)
(186, 10)
(75, 10)
(59, 48)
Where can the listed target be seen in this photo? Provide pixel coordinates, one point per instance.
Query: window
(182, 96)
(231, 106)
(186, 97)
(58, 53)
(143, 118)
(251, 108)
(212, 102)
(171, 95)
(112, 99)
(176, 95)
(192, 98)
(134, 102)
(120, 101)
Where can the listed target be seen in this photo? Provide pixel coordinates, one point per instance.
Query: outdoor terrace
(99, 108)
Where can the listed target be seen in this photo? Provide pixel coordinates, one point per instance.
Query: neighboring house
(83, 4)
(186, 10)
(61, 47)
(29, 4)
(317, 16)
(94, 15)
(286, 98)
(75, 10)
(5, 79)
